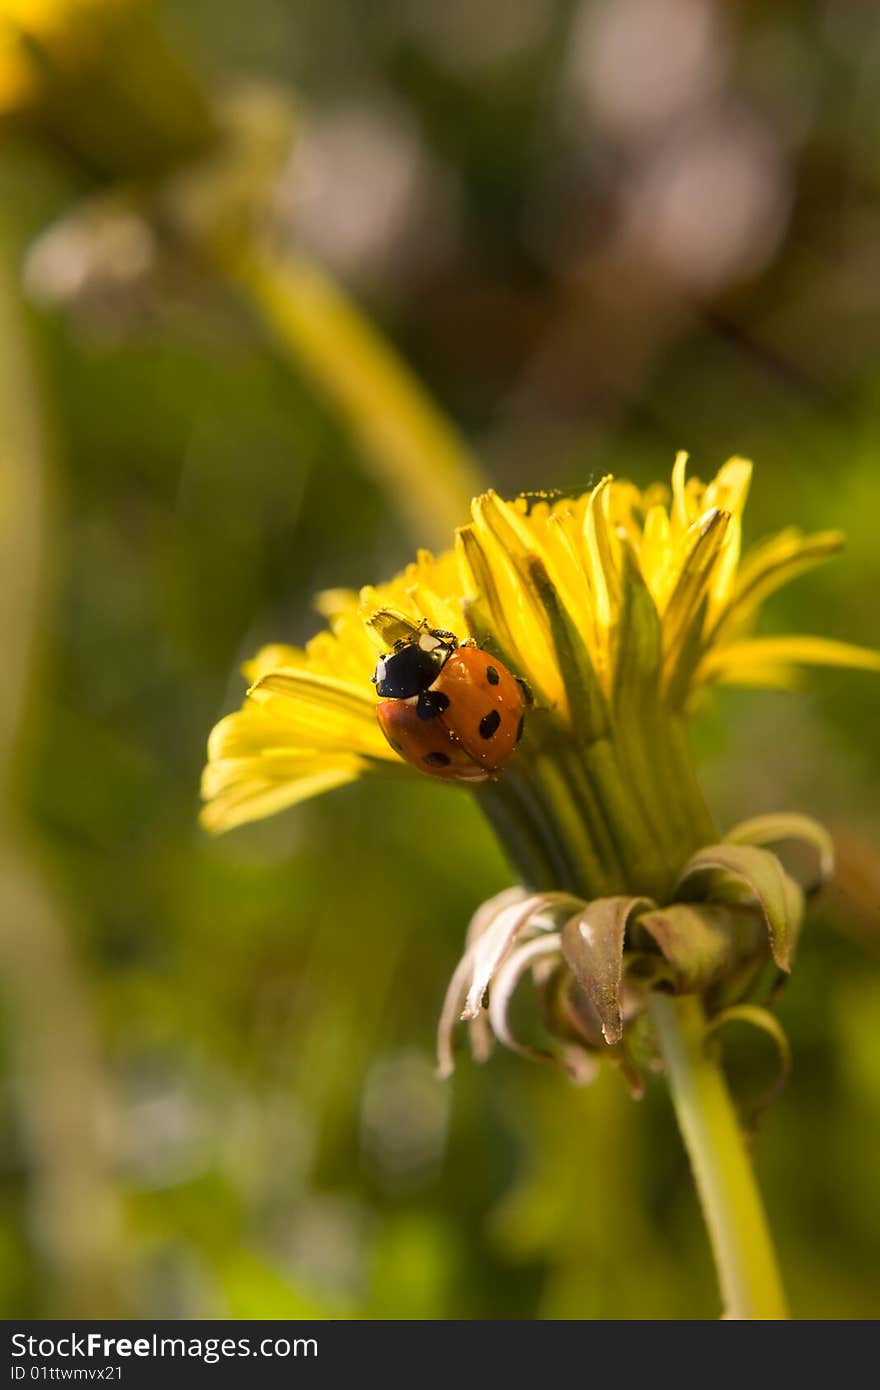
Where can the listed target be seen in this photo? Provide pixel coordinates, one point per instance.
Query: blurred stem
(416, 455)
(59, 1092)
(732, 1208)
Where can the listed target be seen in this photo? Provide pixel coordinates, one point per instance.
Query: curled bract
(729, 936)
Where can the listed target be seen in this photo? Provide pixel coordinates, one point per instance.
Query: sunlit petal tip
(218, 739)
(331, 603)
(736, 469)
(730, 486)
(480, 504)
(270, 658)
(603, 570)
(679, 503)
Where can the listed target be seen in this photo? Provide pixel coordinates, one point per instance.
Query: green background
(588, 280)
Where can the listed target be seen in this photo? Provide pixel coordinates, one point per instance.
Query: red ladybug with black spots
(449, 708)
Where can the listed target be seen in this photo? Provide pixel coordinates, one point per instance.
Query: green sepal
(680, 679)
(723, 872)
(776, 828)
(592, 944)
(768, 1024)
(701, 942)
(588, 707)
(684, 611)
(640, 641)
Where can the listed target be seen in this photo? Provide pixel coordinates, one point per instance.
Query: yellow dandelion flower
(616, 607)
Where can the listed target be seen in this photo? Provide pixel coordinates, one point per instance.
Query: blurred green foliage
(264, 1005)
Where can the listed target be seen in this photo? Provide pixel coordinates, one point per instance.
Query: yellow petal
(724, 578)
(321, 712)
(679, 514)
(759, 677)
(540, 581)
(269, 659)
(251, 797)
(525, 541)
(566, 569)
(655, 555)
(511, 596)
(684, 613)
(729, 489)
(333, 603)
(486, 585)
(603, 561)
(770, 566)
(724, 662)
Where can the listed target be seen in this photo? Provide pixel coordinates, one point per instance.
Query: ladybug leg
(527, 695)
(443, 634)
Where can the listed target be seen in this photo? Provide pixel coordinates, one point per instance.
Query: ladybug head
(413, 666)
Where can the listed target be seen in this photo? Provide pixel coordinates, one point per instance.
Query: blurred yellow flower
(35, 34)
(616, 607)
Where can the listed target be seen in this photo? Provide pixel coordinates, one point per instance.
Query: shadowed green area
(586, 286)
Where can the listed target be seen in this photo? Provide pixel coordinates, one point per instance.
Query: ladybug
(449, 708)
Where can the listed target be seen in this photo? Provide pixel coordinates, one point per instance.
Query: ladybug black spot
(492, 675)
(431, 703)
(398, 747)
(489, 723)
(437, 759)
(519, 727)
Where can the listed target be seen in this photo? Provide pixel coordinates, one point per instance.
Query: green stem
(744, 1256)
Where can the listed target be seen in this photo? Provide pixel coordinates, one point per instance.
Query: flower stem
(744, 1256)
